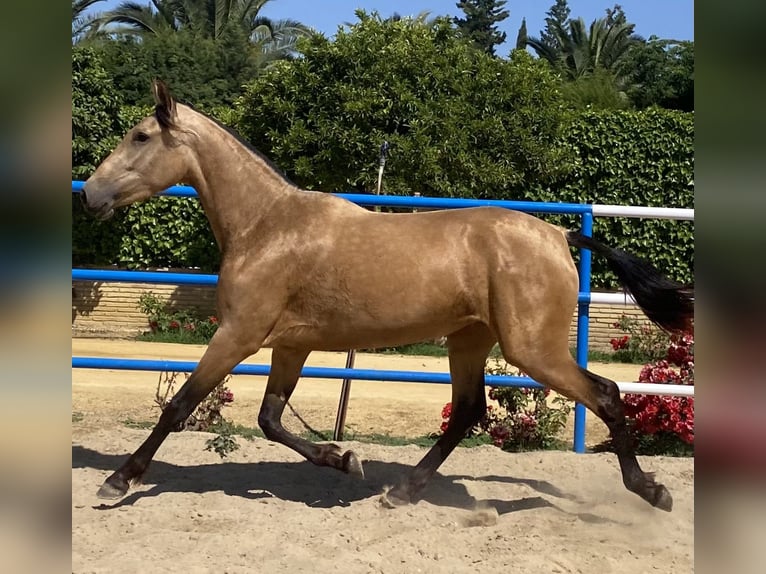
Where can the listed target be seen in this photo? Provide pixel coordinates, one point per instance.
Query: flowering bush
(665, 424)
(523, 419)
(642, 342)
(207, 415)
(178, 326)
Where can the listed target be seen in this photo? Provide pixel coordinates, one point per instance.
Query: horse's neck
(236, 187)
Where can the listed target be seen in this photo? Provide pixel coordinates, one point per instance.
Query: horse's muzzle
(102, 211)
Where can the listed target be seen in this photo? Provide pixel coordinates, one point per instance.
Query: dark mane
(168, 123)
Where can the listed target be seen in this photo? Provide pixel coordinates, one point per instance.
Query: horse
(303, 270)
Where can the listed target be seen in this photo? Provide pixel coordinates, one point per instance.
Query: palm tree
(582, 50)
(211, 18)
(139, 19)
(82, 25)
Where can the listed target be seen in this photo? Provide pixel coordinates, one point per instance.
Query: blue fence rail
(583, 210)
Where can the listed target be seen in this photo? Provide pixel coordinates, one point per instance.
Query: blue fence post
(583, 318)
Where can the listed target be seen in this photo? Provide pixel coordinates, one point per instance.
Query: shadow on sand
(316, 487)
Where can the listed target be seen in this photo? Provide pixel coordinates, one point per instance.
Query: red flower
(173, 325)
(621, 343)
(189, 326)
(213, 320)
(499, 434)
(447, 411)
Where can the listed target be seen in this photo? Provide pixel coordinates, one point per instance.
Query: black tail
(666, 303)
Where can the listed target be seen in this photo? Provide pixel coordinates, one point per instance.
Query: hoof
(110, 491)
(352, 466)
(662, 498)
(394, 498)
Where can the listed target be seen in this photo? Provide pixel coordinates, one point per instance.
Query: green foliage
(480, 23)
(662, 444)
(96, 118)
(578, 49)
(459, 122)
(201, 70)
(522, 420)
(596, 91)
(168, 232)
(526, 419)
(179, 326)
(556, 18)
(224, 442)
(99, 119)
(643, 158)
(163, 232)
(660, 72)
(642, 343)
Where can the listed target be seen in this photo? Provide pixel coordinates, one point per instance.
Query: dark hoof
(394, 498)
(111, 491)
(351, 465)
(662, 498)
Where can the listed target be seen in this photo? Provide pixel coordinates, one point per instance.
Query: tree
(583, 49)
(210, 19)
(202, 70)
(557, 18)
(207, 49)
(82, 25)
(521, 37)
(479, 24)
(459, 122)
(660, 72)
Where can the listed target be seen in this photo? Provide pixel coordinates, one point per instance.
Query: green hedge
(637, 158)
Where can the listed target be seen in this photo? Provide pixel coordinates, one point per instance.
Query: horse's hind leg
(221, 355)
(468, 350)
(601, 396)
(610, 408)
(286, 365)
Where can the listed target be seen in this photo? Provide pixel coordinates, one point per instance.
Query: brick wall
(101, 309)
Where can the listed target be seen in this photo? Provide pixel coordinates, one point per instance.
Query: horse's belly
(346, 328)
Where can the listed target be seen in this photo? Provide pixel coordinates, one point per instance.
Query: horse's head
(150, 158)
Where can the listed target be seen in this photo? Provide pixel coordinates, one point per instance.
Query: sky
(672, 19)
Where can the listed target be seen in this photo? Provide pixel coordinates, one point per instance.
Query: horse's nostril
(84, 198)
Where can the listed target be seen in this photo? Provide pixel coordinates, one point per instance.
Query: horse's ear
(165, 104)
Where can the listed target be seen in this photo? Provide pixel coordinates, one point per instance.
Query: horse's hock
(110, 309)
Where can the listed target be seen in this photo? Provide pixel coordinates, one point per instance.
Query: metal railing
(585, 298)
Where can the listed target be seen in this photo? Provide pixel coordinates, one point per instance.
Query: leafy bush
(624, 157)
(643, 342)
(182, 326)
(523, 419)
(459, 122)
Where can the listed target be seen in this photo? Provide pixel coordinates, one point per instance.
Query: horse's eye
(140, 137)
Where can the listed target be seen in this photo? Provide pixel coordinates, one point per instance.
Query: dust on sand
(265, 509)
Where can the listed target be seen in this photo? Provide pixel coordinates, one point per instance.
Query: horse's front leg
(222, 354)
(286, 365)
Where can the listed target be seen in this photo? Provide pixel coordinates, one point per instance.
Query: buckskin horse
(304, 270)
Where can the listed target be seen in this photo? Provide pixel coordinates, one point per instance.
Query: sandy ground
(266, 509)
